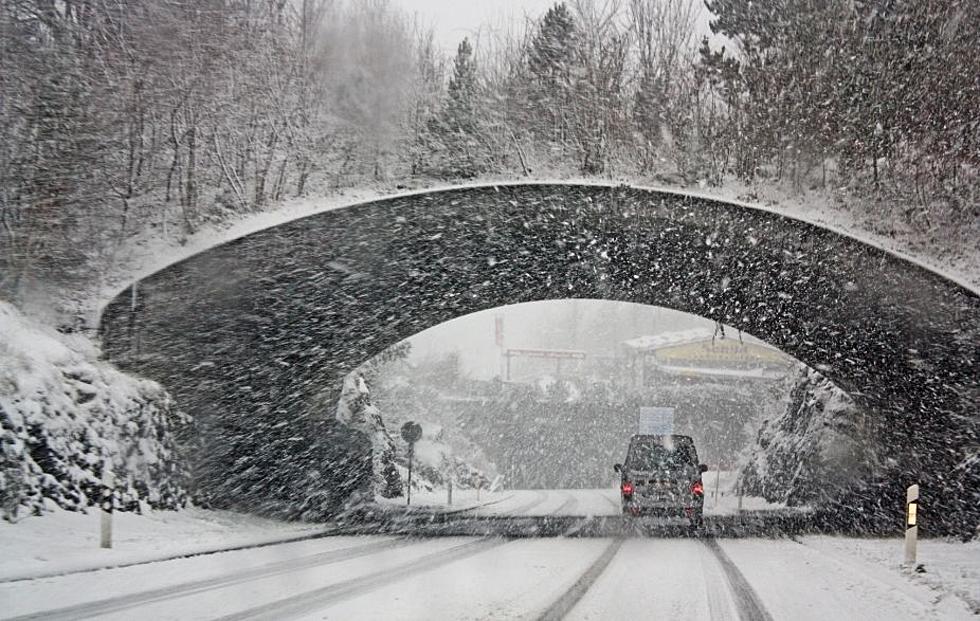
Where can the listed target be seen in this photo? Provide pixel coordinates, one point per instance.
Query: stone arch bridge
(248, 335)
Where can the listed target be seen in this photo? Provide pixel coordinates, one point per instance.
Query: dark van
(662, 476)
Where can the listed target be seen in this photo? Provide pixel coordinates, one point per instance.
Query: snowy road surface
(719, 500)
(388, 577)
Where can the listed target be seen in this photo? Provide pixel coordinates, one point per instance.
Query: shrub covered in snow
(435, 461)
(356, 410)
(64, 415)
(813, 447)
(434, 457)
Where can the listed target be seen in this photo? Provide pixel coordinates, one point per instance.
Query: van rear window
(650, 455)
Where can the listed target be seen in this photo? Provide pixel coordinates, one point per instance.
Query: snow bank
(951, 569)
(66, 541)
(721, 495)
(64, 413)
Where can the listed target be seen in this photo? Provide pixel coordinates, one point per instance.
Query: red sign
(557, 354)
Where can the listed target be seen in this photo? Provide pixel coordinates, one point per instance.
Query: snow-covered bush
(814, 447)
(356, 410)
(435, 461)
(64, 414)
(435, 456)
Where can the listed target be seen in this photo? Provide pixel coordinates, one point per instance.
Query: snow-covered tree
(456, 143)
(816, 445)
(356, 410)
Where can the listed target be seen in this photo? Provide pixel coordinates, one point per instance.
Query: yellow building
(700, 354)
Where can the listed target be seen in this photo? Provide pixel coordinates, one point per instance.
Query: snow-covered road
(573, 502)
(489, 578)
(388, 577)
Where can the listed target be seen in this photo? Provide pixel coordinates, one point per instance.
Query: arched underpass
(246, 334)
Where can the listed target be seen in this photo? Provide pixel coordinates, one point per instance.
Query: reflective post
(108, 482)
(717, 481)
(449, 491)
(911, 525)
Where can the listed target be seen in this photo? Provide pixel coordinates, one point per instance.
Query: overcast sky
(452, 20)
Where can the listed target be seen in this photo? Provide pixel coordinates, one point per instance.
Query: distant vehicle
(662, 476)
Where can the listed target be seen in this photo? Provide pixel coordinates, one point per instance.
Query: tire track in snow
(616, 505)
(567, 507)
(519, 510)
(539, 499)
(750, 607)
(721, 603)
(564, 604)
(133, 600)
(477, 506)
(305, 603)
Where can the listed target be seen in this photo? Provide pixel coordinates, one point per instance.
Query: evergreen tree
(357, 410)
(455, 140)
(551, 68)
(460, 116)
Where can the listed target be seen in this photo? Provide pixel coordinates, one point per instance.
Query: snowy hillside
(816, 435)
(64, 414)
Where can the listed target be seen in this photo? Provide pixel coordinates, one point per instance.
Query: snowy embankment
(64, 415)
(721, 495)
(951, 569)
(849, 578)
(811, 447)
(65, 541)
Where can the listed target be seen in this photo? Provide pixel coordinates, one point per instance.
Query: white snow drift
(64, 414)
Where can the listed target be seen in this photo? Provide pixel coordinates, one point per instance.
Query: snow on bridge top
(150, 256)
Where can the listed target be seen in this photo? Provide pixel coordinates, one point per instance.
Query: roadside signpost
(411, 433)
(911, 525)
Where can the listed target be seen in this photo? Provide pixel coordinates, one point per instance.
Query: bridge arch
(262, 323)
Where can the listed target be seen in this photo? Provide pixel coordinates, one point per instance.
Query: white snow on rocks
(64, 414)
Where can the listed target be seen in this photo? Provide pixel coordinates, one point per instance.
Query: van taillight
(627, 489)
(697, 489)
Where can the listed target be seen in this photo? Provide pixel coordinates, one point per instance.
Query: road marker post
(108, 493)
(911, 525)
(717, 481)
(449, 491)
